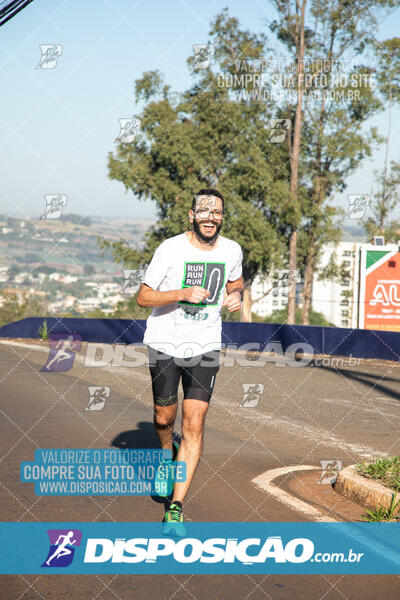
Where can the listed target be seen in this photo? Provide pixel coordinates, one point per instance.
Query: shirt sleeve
(237, 267)
(157, 269)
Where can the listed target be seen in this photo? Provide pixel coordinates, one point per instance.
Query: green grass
(383, 470)
(381, 513)
(43, 331)
(387, 472)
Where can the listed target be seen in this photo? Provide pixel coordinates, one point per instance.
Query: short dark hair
(207, 192)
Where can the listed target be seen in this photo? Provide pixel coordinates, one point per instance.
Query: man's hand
(194, 294)
(232, 301)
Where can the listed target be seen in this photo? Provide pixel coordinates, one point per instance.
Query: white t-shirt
(181, 329)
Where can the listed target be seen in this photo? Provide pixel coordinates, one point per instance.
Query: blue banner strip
(213, 548)
(361, 343)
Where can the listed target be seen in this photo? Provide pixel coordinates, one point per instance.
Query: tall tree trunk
(294, 159)
(291, 318)
(308, 282)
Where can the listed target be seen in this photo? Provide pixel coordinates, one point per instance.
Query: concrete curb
(366, 492)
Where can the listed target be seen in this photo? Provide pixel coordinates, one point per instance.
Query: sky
(58, 125)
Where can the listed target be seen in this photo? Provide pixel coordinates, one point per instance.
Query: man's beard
(203, 238)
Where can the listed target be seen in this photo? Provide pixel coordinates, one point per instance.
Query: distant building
(267, 296)
(335, 298)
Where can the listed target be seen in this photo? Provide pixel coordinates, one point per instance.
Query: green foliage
(280, 316)
(43, 331)
(385, 470)
(384, 199)
(203, 137)
(333, 142)
(88, 269)
(383, 513)
(207, 139)
(13, 310)
(130, 310)
(388, 75)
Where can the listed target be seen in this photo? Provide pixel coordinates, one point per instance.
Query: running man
(184, 284)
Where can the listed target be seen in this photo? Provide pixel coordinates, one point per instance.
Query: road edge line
(265, 482)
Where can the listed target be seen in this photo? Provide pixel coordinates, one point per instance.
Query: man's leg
(164, 421)
(165, 375)
(198, 384)
(193, 418)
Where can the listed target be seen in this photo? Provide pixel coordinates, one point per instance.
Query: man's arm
(147, 297)
(234, 290)
(235, 286)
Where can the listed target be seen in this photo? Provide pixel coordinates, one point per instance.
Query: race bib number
(196, 316)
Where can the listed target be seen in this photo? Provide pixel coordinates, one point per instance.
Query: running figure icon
(62, 549)
(62, 352)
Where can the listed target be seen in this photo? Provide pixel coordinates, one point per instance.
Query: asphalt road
(304, 415)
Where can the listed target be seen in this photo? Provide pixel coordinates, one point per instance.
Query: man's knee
(164, 419)
(192, 426)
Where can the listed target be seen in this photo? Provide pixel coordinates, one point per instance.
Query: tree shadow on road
(369, 379)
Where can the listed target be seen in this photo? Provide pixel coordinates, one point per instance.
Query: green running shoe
(163, 481)
(173, 521)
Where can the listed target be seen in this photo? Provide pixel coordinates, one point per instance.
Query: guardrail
(360, 343)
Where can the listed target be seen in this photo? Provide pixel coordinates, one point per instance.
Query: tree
(316, 39)
(336, 144)
(12, 309)
(88, 269)
(205, 138)
(384, 198)
(316, 318)
(291, 31)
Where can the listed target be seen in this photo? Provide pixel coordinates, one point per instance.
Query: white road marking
(301, 429)
(265, 482)
(24, 345)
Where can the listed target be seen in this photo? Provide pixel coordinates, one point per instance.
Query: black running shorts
(198, 376)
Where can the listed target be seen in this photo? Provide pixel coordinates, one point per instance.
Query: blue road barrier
(360, 343)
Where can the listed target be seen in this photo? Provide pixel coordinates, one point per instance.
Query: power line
(11, 9)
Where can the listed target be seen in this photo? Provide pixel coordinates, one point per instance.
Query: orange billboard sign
(380, 289)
